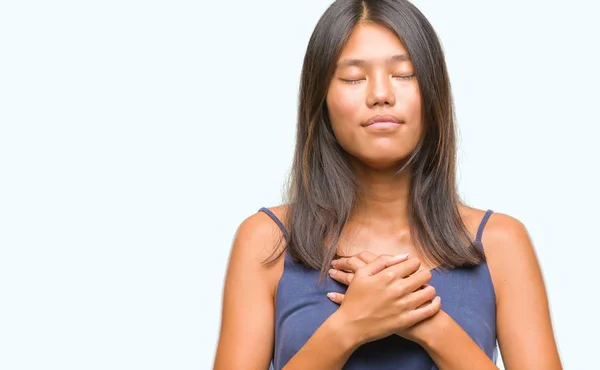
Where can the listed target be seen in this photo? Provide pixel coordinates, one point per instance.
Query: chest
(302, 306)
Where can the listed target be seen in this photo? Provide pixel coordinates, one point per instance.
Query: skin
(378, 236)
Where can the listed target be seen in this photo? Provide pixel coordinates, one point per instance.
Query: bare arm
(247, 323)
(451, 348)
(327, 349)
(524, 326)
(247, 317)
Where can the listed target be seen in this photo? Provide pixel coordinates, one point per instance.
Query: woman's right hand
(385, 296)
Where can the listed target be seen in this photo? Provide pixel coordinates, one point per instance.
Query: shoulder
(505, 236)
(498, 228)
(506, 230)
(257, 243)
(509, 252)
(261, 232)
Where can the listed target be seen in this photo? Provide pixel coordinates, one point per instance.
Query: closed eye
(405, 77)
(351, 81)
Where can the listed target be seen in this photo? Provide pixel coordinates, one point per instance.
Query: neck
(382, 204)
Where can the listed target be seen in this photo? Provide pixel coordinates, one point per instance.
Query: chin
(382, 163)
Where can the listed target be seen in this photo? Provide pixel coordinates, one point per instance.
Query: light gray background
(135, 136)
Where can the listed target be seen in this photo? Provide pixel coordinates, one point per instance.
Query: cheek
(413, 105)
(410, 105)
(344, 110)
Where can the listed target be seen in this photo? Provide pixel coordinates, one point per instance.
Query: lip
(383, 120)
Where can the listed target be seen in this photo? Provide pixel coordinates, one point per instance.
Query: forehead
(371, 41)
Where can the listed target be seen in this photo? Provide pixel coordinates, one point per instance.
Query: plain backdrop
(135, 136)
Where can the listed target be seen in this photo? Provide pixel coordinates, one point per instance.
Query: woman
(375, 263)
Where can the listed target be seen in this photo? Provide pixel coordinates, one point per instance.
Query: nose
(381, 92)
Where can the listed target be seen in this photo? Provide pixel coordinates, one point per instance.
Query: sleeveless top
(301, 306)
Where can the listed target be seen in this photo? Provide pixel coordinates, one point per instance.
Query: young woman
(374, 262)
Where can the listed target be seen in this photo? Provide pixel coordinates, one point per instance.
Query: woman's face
(373, 100)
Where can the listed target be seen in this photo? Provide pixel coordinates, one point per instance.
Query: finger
(403, 268)
(424, 304)
(417, 280)
(335, 297)
(424, 312)
(341, 276)
(367, 256)
(420, 297)
(381, 262)
(351, 264)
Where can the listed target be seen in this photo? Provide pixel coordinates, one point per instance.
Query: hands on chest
(386, 295)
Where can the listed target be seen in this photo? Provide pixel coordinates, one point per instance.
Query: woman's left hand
(343, 272)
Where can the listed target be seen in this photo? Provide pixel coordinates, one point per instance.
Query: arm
(247, 323)
(247, 317)
(328, 348)
(522, 314)
(524, 327)
(450, 347)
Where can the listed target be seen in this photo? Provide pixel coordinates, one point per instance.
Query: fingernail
(333, 262)
(331, 295)
(332, 272)
(401, 256)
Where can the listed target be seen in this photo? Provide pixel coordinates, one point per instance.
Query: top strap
(482, 225)
(277, 221)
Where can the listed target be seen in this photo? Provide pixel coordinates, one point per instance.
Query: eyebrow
(362, 62)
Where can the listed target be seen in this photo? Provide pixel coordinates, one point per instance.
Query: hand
(422, 297)
(384, 296)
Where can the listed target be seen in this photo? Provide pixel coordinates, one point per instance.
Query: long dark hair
(322, 190)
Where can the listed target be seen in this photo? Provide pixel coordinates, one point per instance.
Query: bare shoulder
(500, 228)
(258, 240)
(504, 237)
(509, 252)
(506, 230)
(261, 234)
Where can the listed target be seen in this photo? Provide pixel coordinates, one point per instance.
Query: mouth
(383, 121)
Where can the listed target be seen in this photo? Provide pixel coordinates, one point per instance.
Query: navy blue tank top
(301, 306)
